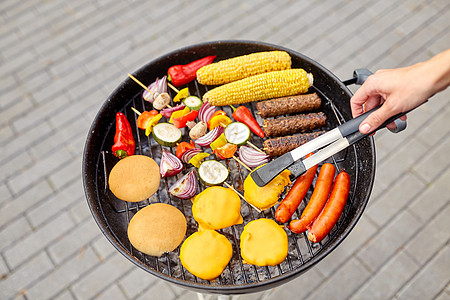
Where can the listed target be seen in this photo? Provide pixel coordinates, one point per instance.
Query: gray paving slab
(59, 61)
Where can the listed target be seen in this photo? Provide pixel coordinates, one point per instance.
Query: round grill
(113, 215)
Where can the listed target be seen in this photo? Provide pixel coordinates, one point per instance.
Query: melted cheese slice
(268, 195)
(264, 243)
(216, 208)
(206, 254)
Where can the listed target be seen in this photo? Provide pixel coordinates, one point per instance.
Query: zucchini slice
(193, 102)
(212, 172)
(166, 134)
(237, 133)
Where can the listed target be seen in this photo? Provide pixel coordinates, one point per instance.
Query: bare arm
(400, 90)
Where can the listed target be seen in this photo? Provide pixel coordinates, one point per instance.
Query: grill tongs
(337, 140)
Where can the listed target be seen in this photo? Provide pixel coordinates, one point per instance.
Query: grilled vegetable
(332, 210)
(212, 172)
(181, 95)
(181, 121)
(210, 137)
(219, 120)
(294, 124)
(198, 130)
(167, 112)
(237, 133)
(152, 124)
(123, 140)
(145, 117)
(193, 102)
(225, 151)
(236, 68)
(251, 157)
(161, 101)
(159, 86)
(197, 159)
(260, 87)
(186, 187)
(183, 74)
(182, 147)
(170, 165)
(288, 105)
(166, 134)
(280, 145)
(243, 114)
(295, 195)
(317, 201)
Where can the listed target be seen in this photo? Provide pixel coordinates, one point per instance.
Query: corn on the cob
(239, 67)
(261, 87)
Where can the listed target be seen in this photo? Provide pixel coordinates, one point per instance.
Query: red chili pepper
(182, 147)
(123, 139)
(183, 74)
(181, 122)
(242, 114)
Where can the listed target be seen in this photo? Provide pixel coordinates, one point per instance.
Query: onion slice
(157, 87)
(206, 111)
(251, 157)
(189, 154)
(210, 137)
(167, 112)
(186, 187)
(170, 165)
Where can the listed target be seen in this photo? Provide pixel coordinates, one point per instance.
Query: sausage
(317, 201)
(280, 145)
(295, 195)
(293, 124)
(288, 105)
(332, 210)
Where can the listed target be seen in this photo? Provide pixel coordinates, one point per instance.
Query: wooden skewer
(172, 87)
(136, 111)
(240, 161)
(231, 187)
(256, 148)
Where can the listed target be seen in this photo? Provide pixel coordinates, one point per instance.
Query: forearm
(437, 71)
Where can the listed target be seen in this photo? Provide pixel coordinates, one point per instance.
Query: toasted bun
(157, 228)
(134, 178)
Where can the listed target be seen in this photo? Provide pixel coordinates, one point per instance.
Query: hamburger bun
(157, 228)
(134, 178)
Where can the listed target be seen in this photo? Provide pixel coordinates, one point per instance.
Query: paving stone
(388, 240)
(16, 165)
(136, 281)
(5, 195)
(13, 232)
(381, 286)
(74, 241)
(42, 237)
(161, 290)
(394, 199)
(111, 292)
(430, 280)
(16, 283)
(309, 281)
(69, 271)
(101, 277)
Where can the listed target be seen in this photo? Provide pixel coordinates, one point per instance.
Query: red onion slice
(210, 137)
(186, 187)
(189, 153)
(251, 157)
(159, 87)
(206, 111)
(170, 165)
(167, 112)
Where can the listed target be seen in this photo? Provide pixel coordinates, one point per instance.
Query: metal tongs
(337, 140)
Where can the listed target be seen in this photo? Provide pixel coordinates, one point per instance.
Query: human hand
(399, 90)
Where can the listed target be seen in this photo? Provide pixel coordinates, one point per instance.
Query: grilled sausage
(293, 124)
(288, 105)
(280, 145)
(332, 210)
(317, 201)
(295, 195)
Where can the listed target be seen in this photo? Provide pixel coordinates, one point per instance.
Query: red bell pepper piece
(123, 140)
(183, 146)
(145, 117)
(181, 121)
(242, 114)
(183, 74)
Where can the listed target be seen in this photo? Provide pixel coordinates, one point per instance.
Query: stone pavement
(59, 60)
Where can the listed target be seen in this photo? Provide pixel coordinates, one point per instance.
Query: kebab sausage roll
(288, 105)
(279, 146)
(293, 124)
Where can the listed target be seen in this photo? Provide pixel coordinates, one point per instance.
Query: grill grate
(301, 250)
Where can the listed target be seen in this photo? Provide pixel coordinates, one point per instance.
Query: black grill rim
(105, 117)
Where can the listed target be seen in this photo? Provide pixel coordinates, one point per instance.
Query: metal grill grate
(301, 250)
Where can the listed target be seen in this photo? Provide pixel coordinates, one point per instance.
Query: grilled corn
(261, 87)
(236, 68)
